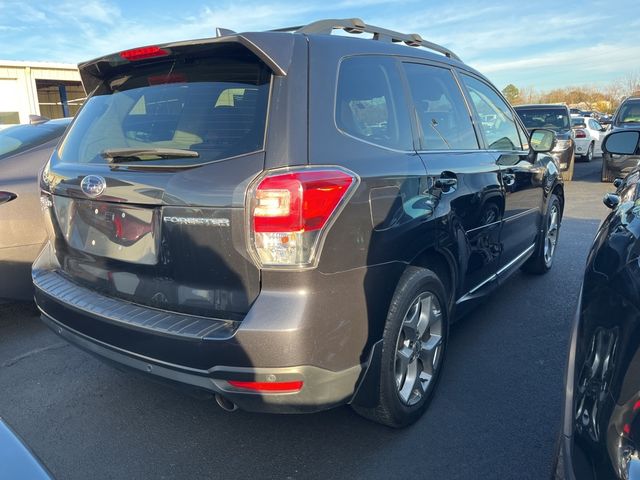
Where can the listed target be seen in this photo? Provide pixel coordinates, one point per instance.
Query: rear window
(216, 107)
(578, 122)
(553, 118)
(629, 112)
(14, 140)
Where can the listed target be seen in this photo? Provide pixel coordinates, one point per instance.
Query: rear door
(520, 176)
(148, 185)
(463, 177)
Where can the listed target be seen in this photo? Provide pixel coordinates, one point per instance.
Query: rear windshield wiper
(117, 155)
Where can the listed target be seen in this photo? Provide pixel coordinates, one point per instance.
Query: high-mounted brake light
(294, 386)
(143, 52)
(290, 212)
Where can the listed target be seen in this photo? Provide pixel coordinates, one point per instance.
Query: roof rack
(356, 26)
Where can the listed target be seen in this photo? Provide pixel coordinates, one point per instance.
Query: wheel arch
(558, 191)
(442, 264)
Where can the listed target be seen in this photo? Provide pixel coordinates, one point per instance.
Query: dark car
(627, 116)
(601, 426)
(24, 149)
(605, 119)
(558, 119)
(290, 219)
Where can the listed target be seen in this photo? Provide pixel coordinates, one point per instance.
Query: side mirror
(611, 200)
(621, 143)
(542, 140)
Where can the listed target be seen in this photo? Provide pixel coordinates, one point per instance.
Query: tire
(542, 259)
(607, 175)
(589, 156)
(401, 400)
(567, 175)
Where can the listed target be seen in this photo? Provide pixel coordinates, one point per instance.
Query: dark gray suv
(289, 219)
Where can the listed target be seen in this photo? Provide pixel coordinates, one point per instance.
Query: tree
(511, 93)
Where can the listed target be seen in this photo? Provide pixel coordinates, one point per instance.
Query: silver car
(24, 149)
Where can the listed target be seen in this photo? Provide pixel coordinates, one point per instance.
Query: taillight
(143, 52)
(290, 213)
(581, 134)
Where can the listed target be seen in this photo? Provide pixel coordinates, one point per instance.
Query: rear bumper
(564, 158)
(194, 351)
(582, 145)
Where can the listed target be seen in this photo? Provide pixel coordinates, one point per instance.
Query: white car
(588, 135)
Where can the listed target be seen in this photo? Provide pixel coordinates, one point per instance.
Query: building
(51, 90)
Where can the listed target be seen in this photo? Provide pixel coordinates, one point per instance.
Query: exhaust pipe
(226, 404)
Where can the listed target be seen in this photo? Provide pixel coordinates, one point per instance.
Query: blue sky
(540, 43)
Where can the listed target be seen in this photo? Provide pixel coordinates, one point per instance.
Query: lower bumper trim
(323, 389)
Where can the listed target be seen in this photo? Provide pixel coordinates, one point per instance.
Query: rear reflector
(143, 52)
(268, 386)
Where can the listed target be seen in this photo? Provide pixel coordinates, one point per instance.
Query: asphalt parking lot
(495, 415)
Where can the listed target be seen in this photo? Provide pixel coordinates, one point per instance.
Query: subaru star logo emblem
(93, 185)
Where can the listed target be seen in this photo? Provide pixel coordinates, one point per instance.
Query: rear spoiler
(273, 48)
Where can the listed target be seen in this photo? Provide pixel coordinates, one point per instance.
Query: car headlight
(562, 145)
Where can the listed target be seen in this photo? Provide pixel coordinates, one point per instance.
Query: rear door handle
(509, 179)
(6, 197)
(446, 184)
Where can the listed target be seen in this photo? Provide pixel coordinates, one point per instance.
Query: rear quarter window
(370, 102)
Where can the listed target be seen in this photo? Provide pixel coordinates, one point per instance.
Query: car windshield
(20, 138)
(552, 118)
(629, 112)
(211, 108)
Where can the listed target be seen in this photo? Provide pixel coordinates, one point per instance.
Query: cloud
(499, 38)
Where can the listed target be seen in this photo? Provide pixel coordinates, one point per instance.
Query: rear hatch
(148, 186)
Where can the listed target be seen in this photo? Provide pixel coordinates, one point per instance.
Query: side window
(370, 103)
(594, 125)
(496, 120)
(442, 114)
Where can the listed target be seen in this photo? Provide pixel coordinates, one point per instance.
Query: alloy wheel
(551, 238)
(419, 348)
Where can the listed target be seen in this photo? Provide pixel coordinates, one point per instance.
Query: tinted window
(594, 125)
(629, 112)
(443, 116)
(496, 119)
(370, 104)
(552, 118)
(20, 138)
(216, 107)
(578, 122)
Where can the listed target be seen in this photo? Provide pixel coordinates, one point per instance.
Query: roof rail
(356, 26)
